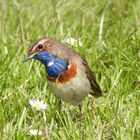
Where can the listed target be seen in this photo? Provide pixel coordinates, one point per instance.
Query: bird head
(39, 49)
(51, 46)
(46, 50)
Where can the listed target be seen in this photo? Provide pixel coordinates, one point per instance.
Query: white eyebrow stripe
(50, 64)
(41, 41)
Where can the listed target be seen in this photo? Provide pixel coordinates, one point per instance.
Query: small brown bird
(68, 74)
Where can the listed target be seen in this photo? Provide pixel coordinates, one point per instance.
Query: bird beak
(29, 57)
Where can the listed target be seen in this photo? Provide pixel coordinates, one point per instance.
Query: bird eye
(40, 46)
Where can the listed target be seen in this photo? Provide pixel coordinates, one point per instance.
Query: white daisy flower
(38, 105)
(74, 42)
(35, 132)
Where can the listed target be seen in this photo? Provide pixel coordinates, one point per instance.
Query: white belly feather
(73, 91)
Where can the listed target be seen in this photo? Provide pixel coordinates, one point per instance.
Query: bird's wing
(94, 86)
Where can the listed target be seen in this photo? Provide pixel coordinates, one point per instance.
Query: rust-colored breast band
(67, 75)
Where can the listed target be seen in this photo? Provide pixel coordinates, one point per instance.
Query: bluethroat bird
(68, 74)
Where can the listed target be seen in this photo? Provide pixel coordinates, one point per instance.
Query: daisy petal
(35, 132)
(38, 105)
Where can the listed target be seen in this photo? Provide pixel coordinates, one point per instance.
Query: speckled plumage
(76, 81)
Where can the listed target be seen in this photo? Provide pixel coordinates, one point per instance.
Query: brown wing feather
(94, 86)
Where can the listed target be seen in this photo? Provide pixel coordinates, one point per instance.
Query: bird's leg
(60, 105)
(80, 108)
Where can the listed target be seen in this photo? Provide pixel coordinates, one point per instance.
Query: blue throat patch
(54, 66)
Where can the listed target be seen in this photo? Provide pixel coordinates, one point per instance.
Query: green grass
(110, 31)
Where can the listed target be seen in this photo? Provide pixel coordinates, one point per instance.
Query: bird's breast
(66, 76)
(73, 86)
